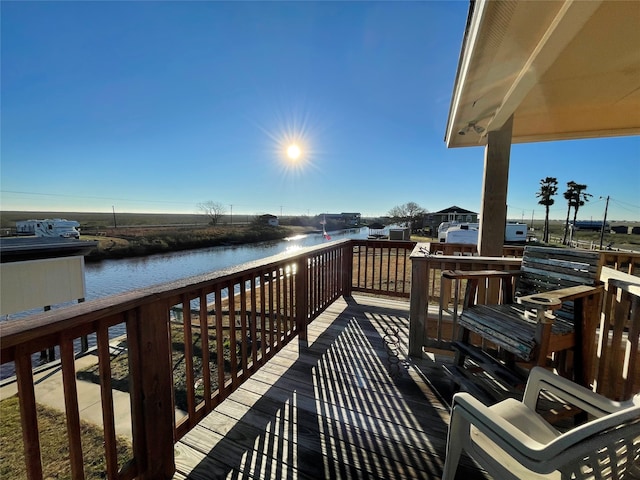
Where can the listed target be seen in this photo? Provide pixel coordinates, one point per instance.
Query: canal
(110, 277)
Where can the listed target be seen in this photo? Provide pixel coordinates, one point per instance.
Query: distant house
(452, 214)
(620, 229)
(268, 219)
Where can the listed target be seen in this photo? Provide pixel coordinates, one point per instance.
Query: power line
(626, 206)
(89, 196)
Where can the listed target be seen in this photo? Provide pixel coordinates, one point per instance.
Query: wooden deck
(338, 408)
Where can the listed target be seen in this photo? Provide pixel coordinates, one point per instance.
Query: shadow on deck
(339, 407)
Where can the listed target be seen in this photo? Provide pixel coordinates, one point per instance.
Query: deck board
(331, 408)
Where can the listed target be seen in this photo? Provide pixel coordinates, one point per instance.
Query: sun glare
(293, 152)
(293, 144)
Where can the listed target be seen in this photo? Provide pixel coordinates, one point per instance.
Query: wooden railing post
(28, 415)
(302, 297)
(418, 305)
(156, 394)
(347, 269)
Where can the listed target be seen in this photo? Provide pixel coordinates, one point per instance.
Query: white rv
(445, 227)
(55, 227)
(461, 234)
(515, 233)
(468, 233)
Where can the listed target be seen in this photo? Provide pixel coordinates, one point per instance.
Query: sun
(293, 146)
(293, 152)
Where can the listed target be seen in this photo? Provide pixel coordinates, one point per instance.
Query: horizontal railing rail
(626, 262)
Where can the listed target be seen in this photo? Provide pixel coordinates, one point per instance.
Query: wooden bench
(554, 296)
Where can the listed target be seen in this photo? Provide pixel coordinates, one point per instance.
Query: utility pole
(115, 225)
(532, 214)
(231, 219)
(604, 222)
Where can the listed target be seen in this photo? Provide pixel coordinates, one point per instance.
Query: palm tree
(548, 188)
(576, 197)
(580, 199)
(569, 195)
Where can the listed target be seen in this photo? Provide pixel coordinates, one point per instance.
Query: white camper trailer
(515, 233)
(55, 227)
(445, 227)
(468, 233)
(460, 233)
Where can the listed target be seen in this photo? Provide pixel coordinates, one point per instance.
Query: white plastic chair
(511, 441)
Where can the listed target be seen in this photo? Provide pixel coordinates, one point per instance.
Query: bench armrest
(553, 299)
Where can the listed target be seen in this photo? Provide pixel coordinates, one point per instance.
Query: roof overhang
(563, 69)
(37, 248)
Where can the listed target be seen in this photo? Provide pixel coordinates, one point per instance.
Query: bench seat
(513, 328)
(555, 296)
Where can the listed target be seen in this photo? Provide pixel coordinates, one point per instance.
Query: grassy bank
(54, 446)
(140, 241)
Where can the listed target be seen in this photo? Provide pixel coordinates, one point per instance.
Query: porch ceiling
(565, 70)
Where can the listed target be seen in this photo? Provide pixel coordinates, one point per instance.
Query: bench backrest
(548, 268)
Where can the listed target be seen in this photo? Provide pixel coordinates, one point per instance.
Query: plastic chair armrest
(577, 395)
(509, 438)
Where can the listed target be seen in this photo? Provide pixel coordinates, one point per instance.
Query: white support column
(493, 211)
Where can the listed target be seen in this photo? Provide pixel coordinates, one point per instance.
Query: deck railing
(177, 350)
(382, 267)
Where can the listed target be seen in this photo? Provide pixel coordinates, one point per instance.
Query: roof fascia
(477, 10)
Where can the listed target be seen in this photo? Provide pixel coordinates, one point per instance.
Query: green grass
(54, 446)
(105, 220)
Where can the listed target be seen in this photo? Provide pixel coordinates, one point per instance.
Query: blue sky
(158, 106)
